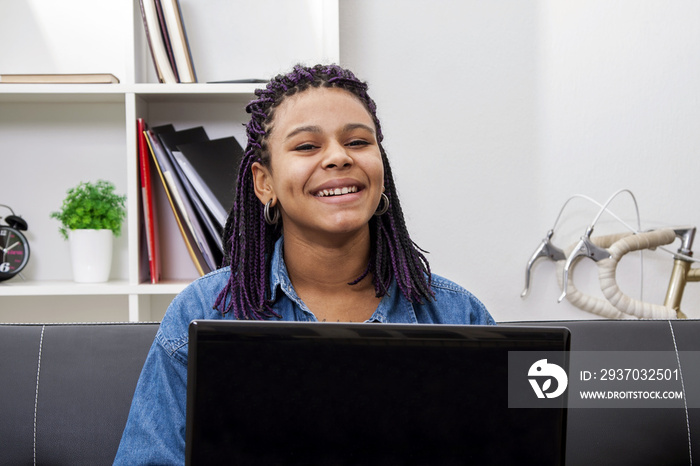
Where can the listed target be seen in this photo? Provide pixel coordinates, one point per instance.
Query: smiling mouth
(337, 191)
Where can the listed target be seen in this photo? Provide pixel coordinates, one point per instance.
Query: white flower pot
(91, 255)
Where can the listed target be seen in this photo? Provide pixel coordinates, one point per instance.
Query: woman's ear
(262, 182)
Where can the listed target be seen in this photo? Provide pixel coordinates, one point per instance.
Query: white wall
(496, 112)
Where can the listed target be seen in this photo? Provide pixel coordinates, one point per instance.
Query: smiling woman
(316, 234)
(325, 168)
(316, 130)
(325, 174)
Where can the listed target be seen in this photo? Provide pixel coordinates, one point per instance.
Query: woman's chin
(344, 224)
(338, 231)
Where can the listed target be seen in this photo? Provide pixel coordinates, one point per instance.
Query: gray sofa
(65, 392)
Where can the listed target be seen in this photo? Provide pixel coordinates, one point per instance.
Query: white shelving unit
(53, 136)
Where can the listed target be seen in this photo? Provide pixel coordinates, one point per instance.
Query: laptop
(292, 393)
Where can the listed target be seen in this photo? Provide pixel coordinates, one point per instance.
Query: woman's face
(326, 170)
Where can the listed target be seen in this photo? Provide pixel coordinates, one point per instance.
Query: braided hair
(249, 240)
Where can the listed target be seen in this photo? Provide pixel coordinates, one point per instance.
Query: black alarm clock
(14, 247)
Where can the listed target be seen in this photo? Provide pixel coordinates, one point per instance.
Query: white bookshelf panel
(56, 135)
(76, 36)
(51, 147)
(221, 115)
(19, 287)
(197, 93)
(62, 93)
(47, 309)
(250, 38)
(148, 308)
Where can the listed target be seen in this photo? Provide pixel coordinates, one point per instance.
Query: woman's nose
(336, 156)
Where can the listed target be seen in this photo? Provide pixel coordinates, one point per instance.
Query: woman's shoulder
(196, 301)
(443, 284)
(454, 304)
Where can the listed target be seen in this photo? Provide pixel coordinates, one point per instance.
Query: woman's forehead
(320, 107)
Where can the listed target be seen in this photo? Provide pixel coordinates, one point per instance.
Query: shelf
(70, 288)
(115, 92)
(60, 134)
(170, 287)
(186, 93)
(62, 93)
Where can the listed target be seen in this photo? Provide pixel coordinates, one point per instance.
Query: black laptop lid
(364, 394)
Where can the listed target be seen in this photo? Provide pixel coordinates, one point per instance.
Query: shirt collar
(393, 307)
(278, 270)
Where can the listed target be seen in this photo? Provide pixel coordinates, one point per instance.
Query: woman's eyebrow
(303, 129)
(317, 129)
(352, 126)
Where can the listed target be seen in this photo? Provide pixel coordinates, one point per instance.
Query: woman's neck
(321, 272)
(328, 265)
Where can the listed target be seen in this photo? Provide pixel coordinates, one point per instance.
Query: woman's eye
(305, 147)
(358, 142)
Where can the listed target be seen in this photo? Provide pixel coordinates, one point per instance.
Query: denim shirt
(155, 429)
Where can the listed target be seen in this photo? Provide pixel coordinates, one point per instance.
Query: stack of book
(198, 175)
(167, 40)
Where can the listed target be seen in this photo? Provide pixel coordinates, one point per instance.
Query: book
(166, 181)
(155, 42)
(170, 141)
(86, 78)
(148, 40)
(179, 42)
(166, 38)
(208, 217)
(212, 167)
(150, 225)
(188, 223)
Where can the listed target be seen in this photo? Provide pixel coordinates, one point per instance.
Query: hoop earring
(383, 205)
(271, 220)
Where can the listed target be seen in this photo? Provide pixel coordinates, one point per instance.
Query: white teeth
(337, 191)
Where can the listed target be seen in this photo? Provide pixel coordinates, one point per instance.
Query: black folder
(216, 164)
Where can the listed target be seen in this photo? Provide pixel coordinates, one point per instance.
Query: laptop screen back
(364, 394)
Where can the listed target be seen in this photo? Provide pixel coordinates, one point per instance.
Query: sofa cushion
(87, 374)
(69, 390)
(624, 436)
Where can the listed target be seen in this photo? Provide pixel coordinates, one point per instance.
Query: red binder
(147, 199)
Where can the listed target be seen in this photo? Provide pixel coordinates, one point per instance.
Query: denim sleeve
(479, 315)
(155, 429)
(453, 304)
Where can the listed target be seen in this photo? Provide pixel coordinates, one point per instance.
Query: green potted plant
(91, 215)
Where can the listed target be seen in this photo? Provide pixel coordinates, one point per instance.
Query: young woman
(316, 234)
